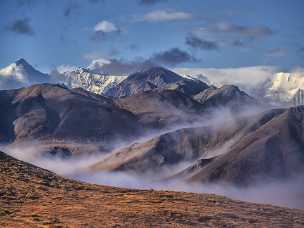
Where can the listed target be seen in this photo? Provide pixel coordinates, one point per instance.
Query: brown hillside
(33, 197)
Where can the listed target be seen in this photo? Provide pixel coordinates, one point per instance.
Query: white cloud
(105, 27)
(246, 76)
(65, 68)
(98, 63)
(93, 56)
(165, 15)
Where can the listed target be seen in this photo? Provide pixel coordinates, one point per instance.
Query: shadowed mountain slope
(54, 111)
(271, 148)
(227, 95)
(236, 151)
(160, 108)
(169, 149)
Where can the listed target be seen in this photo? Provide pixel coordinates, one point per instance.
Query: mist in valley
(284, 192)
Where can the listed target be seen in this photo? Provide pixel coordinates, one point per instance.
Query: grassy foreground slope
(33, 197)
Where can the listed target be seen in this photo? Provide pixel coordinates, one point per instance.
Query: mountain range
(169, 111)
(85, 78)
(281, 88)
(153, 125)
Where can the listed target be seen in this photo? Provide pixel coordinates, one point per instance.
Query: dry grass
(33, 197)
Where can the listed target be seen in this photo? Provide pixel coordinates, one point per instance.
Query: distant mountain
(84, 78)
(227, 95)
(161, 108)
(21, 74)
(48, 111)
(298, 98)
(275, 88)
(284, 86)
(155, 78)
(172, 105)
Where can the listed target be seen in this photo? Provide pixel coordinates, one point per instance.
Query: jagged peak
(157, 71)
(21, 61)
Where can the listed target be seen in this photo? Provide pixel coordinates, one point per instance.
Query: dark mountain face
(159, 108)
(155, 78)
(163, 108)
(227, 95)
(187, 86)
(53, 111)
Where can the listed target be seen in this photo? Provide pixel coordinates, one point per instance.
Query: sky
(172, 33)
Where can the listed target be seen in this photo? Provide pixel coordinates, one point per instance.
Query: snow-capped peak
(18, 69)
(83, 77)
(20, 73)
(284, 86)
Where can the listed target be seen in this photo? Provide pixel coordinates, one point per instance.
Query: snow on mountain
(19, 74)
(82, 77)
(284, 86)
(259, 81)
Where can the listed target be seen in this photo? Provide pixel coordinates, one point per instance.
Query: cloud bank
(242, 76)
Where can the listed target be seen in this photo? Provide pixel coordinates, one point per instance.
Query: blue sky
(183, 33)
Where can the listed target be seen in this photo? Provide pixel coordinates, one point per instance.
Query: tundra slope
(31, 196)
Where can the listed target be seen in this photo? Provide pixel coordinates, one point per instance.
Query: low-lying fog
(288, 193)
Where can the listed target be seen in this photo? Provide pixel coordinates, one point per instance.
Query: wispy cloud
(226, 27)
(150, 2)
(166, 15)
(199, 43)
(21, 26)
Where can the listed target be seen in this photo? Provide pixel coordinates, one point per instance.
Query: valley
(153, 130)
